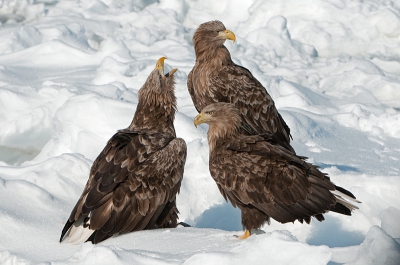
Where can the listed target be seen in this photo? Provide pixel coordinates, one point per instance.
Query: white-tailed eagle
(134, 181)
(216, 78)
(264, 179)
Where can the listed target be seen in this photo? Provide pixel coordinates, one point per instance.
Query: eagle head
(213, 32)
(156, 99)
(221, 116)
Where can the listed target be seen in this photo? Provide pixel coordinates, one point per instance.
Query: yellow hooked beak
(160, 67)
(227, 34)
(171, 72)
(201, 118)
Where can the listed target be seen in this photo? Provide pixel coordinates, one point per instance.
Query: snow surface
(69, 76)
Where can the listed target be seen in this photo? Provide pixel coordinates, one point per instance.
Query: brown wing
(195, 98)
(235, 84)
(130, 184)
(251, 171)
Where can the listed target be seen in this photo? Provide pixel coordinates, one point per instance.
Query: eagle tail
(76, 232)
(345, 201)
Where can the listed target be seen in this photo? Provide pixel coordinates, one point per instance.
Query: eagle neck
(155, 112)
(216, 55)
(220, 133)
(208, 64)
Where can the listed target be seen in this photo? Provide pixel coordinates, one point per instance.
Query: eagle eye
(216, 32)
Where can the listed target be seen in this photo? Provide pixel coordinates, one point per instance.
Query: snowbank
(69, 76)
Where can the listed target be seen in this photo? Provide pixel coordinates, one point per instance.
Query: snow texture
(69, 77)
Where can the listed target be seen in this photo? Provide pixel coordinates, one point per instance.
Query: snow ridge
(70, 72)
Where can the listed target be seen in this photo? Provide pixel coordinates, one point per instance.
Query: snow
(69, 76)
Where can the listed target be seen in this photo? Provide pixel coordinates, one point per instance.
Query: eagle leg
(246, 234)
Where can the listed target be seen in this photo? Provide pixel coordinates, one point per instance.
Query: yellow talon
(246, 234)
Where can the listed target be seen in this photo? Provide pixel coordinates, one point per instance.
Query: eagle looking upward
(216, 78)
(264, 179)
(134, 181)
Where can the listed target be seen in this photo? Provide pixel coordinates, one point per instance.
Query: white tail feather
(78, 233)
(345, 200)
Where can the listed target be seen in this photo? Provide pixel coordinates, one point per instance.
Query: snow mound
(70, 72)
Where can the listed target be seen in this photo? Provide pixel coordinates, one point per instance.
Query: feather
(143, 206)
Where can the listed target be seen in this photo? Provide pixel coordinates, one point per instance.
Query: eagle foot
(184, 224)
(246, 234)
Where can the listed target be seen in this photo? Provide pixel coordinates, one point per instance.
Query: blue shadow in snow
(342, 168)
(222, 216)
(330, 233)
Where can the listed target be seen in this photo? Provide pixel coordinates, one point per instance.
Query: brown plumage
(134, 181)
(264, 179)
(216, 78)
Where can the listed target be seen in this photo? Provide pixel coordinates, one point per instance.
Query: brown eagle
(264, 179)
(216, 78)
(134, 181)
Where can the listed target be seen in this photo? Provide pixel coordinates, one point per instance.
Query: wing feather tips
(168, 217)
(67, 226)
(346, 192)
(340, 208)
